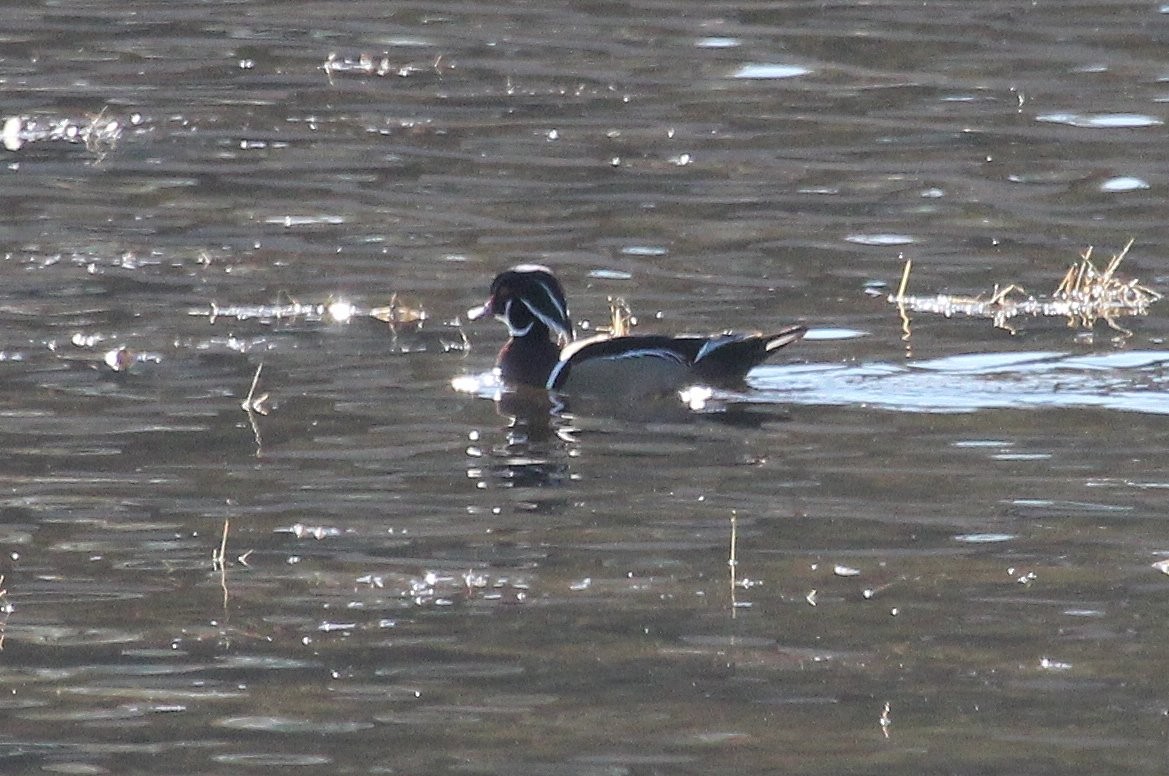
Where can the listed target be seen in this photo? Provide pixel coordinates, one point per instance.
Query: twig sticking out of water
(1085, 295)
(733, 562)
(219, 562)
(5, 610)
(254, 405)
(904, 280)
(219, 556)
(905, 323)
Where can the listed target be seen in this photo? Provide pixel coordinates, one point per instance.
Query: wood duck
(530, 300)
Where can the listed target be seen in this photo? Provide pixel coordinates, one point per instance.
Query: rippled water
(921, 552)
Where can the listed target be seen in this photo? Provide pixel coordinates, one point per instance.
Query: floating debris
(318, 532)
(98, 133)
(120, 359)
(396, 313)
(1085, 295)
(379, 65)
(432, 588)
(402, 318)
(333, 311)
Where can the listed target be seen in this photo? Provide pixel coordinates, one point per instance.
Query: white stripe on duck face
(559, 323)
(512, 329)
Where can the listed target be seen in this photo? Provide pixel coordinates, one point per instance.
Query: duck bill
(481, 311)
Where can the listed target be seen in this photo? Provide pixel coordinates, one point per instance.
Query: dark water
(919, 555)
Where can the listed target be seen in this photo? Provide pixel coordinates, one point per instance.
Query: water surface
(922, 553)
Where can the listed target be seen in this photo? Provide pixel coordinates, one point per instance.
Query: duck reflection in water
(536, 447)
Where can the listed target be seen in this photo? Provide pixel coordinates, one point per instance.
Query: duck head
(527, 298)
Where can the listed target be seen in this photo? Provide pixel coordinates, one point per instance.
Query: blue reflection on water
(1132, 381)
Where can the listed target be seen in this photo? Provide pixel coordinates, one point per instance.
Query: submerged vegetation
(1086, 294)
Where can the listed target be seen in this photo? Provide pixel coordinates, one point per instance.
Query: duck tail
(727, 359)
(784, 337)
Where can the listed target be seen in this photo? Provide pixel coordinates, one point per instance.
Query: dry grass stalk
(1085, 295)
(621, 319)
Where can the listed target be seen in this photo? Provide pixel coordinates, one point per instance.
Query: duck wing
(639, 364)
(654, 365)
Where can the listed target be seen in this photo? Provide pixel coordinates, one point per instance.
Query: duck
(542, 350)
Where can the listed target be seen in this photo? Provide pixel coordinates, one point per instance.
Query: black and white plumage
(530, 300)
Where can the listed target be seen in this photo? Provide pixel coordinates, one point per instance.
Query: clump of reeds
(621, 318)
(1085, 295)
